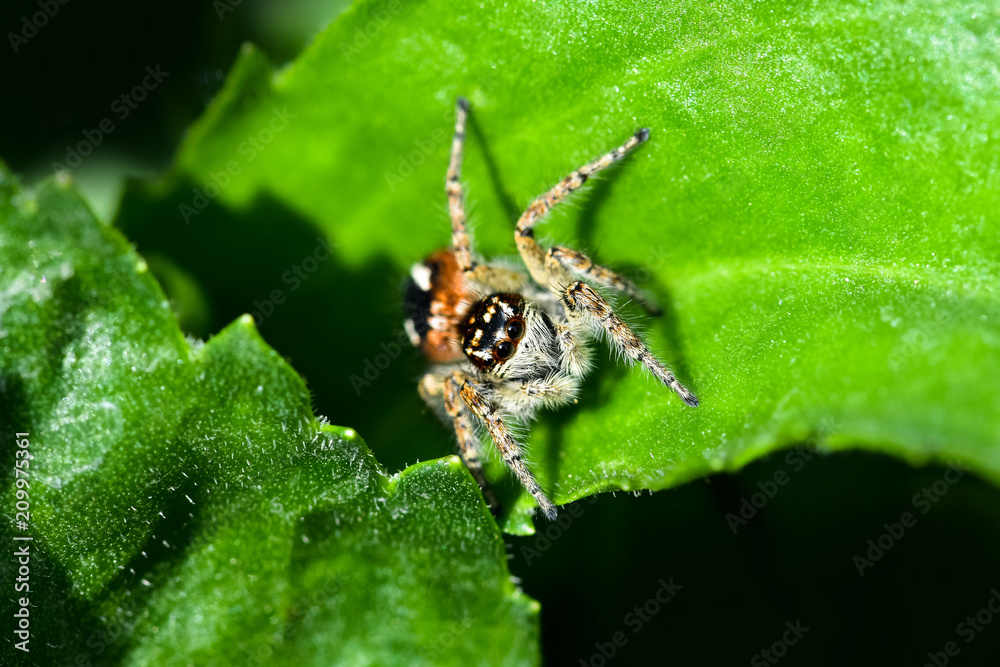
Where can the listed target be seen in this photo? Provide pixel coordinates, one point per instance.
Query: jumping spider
(501, 344)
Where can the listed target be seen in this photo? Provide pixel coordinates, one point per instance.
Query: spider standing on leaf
(503, 344)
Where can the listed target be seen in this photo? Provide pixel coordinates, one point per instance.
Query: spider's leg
(580, 297)
(467, 444)
(510, 450)
(531, 253)
(453, 186)
(432, 388)
(579, 263)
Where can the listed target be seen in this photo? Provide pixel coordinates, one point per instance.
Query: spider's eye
(504, 349)
(515, 329)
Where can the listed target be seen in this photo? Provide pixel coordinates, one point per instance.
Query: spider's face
(494, 329)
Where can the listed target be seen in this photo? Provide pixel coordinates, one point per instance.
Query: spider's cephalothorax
(493, 331)
(505, 342)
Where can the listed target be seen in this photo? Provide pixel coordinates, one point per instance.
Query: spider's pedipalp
(549, 392)
(582, 264)
(581, 297)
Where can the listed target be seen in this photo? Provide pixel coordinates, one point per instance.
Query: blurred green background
(792, 562)
(64, 80)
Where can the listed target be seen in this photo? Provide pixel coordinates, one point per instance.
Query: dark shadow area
(68, 65)
(340, 329)
(601, 186)
(600, 189)
(510, 206)
(793, 561)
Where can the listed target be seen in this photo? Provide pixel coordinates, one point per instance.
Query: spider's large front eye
(504, 349)
(515, 329)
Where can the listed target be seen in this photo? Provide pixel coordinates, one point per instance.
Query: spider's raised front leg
(581, 298)
(461, 244)
(453, 187)
(511, 452)
(531, 252)
(434, 388)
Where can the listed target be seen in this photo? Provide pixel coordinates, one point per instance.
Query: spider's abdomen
(434, 302)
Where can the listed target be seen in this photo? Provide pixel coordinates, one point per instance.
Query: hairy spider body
(504, 343)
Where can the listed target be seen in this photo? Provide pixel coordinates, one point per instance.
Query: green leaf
(186, 507)
(817, 207)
